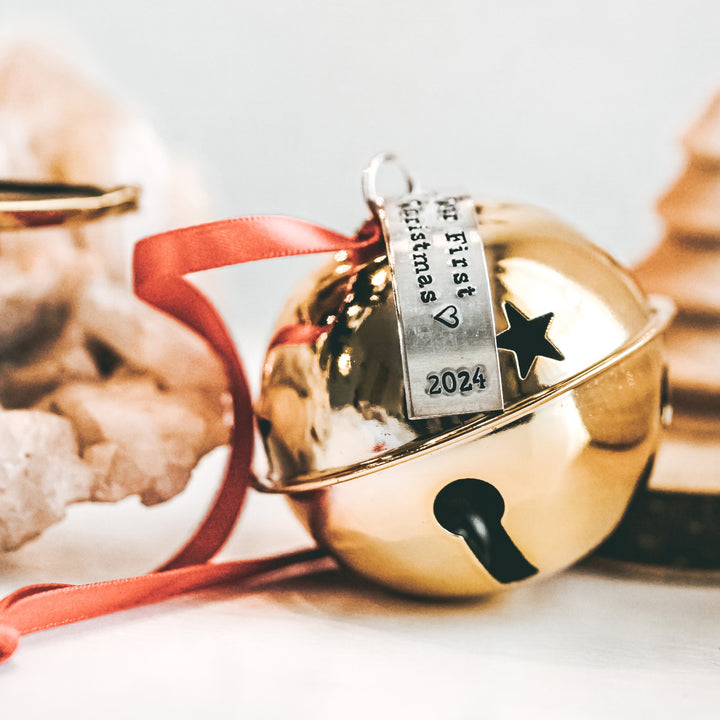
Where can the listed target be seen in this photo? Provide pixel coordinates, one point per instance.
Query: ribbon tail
(45, 606)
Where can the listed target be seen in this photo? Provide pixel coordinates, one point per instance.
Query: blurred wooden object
(674, 518)
(688, 271)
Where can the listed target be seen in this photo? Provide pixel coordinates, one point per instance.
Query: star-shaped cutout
(527, 338)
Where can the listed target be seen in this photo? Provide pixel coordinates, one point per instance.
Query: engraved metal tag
(444, 304)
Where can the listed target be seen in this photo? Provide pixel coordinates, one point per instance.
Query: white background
(577, 106)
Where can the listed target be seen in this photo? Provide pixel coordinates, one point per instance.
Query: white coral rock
(40, 474)
(147, 339)
(140, 440)
(141, 397)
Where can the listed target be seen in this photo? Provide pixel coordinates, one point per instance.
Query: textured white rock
(40, 474)
(147, 339)
(142, 398)
(140, 440)
(40, 272)
(50, 360)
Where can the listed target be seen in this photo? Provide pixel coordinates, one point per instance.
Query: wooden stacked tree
(675, 518)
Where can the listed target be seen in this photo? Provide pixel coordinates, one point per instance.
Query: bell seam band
(663, 311)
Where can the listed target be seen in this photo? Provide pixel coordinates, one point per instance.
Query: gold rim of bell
(661, 310)
(26, 205)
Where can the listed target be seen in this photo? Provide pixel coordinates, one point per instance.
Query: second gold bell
(466, 505)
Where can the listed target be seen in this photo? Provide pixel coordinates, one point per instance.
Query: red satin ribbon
(159, 264)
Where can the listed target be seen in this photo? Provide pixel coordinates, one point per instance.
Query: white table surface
(597, 641)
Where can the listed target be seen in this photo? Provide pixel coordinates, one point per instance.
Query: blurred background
(279, 104)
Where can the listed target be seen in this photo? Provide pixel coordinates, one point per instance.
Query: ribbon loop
(159, 263)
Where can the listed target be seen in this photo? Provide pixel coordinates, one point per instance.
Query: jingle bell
(469, 504)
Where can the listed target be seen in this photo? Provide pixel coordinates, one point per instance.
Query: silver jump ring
(369, 179)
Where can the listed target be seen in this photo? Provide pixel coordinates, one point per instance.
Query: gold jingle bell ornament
(472, 407)
(464, 411)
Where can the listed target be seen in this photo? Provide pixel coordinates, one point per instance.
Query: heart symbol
(448, 316)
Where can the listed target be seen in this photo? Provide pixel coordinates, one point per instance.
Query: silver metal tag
(444, 304)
